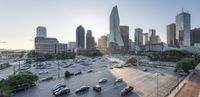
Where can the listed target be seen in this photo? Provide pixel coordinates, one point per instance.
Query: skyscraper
(171, 34)
(138, 37)
(195, 36)
(80, 37)
(183, 27)
(115, 41)
(41, 31)
(152, 32)
(90, 44)
(125, 36)
(146, 38)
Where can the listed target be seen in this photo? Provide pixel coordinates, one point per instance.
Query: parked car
(145, 70)
(81, 89)
(89, 71)
(97, 88)
(47, 79)
(43, 72)
(65, 90)
(118, 80)
(126, 90)
(57, 90)
(103, 80)
(58, 86)
(77, 73)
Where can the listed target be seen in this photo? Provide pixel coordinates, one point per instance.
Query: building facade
(138, 37)
(80, 37)
(41, 31)
(72, 46)
(45, 45)
(102, 42)
(125, 36)
(171, 34)
(115, 40)
(183, 27)
(146, 38)
(90, 43)
(195, 36)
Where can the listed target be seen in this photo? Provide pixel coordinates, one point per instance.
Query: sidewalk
(191, 88)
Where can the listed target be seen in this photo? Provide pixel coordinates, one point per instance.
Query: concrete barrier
(177, 88)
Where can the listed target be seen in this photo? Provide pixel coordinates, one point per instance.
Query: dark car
(82, 89)
(126, 90)
(77, 73)
(97, 88)
(47, 79)
(145, 70)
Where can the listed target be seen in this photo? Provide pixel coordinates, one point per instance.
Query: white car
(103, 80)
(118, 80)
(58, 86)
(65, 90)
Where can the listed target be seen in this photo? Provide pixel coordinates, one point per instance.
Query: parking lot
(144, 82)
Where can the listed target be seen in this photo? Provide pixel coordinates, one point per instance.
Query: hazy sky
(19, 18)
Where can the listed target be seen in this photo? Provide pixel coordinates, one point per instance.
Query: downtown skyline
(61, 18)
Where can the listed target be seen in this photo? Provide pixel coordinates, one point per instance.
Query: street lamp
(137, 48)
(157, 83)
(58, 70)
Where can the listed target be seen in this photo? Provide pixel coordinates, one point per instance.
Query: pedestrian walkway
(191, 88)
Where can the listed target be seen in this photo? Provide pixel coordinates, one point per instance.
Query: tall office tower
(195, 36)
(125, 36)
(152, 32)
(115, 39)
(146, 38)
(171, 34)
(183, 27)
(90, 44)
(80, 37)
(138, 37)
(41, 31)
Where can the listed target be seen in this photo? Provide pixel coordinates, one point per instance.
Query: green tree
(9, 84)
(186, 64)
(131, 60)
(67, 74)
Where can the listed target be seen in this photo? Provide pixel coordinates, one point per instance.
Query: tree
(22, 78)
(186, 64)
(67, 74)
(131, 60)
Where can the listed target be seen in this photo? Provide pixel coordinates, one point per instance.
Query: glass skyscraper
(115, 35)
(183, 28)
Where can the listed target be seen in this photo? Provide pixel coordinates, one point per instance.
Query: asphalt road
(144, 83)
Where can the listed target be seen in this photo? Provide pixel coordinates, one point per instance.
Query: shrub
(67, 74)
(131, 60)
(186, 64)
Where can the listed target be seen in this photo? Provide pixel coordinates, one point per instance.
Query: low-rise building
(49, 46)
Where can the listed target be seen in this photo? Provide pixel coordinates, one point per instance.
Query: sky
(19, 18)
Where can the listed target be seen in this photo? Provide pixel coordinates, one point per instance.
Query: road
(144, 83)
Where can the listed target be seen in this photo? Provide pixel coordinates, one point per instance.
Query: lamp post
(157, 84)
(58, 70)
